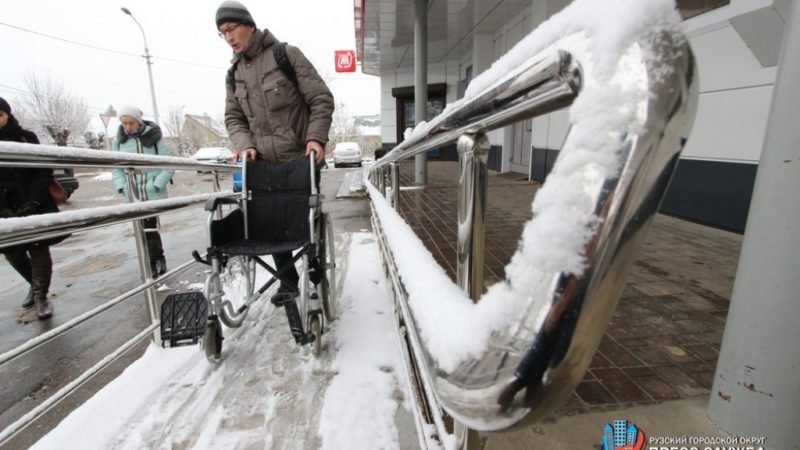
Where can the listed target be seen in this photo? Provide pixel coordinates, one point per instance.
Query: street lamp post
(149, 63)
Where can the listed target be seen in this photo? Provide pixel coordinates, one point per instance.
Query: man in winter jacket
(269, 115)
(136, 135)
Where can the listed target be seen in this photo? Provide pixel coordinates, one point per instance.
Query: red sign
(345, 60)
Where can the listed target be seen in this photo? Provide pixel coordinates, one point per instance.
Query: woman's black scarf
(12, 131)
(148, 138)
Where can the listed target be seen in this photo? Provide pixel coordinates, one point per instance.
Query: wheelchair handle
(313, 166)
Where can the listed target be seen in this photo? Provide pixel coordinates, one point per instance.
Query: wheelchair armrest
(212, 203)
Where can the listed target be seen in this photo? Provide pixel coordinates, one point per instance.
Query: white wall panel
(539, 131)
(730, 125)
(725, 62)
(557, 130)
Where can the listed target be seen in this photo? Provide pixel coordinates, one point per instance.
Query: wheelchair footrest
(183, 319)
(295, 323)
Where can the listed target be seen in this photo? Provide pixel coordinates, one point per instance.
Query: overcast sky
(181, 30)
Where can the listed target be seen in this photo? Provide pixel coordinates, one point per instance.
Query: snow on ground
(267, 392)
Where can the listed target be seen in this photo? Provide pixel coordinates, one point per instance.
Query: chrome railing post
(473, 151)
(395, 171)
(382, 181)
(217, 188)
(216, 181)
(143, 253)
(473, 183)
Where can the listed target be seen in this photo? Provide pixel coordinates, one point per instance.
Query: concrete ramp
(266, 392)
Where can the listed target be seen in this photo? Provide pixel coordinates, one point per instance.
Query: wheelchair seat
(277, 212)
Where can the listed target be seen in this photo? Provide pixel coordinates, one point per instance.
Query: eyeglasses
(224, 32)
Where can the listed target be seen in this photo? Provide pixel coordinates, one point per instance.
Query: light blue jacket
(151, 184)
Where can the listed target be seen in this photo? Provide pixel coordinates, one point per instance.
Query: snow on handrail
(17, 154)
(519, 352)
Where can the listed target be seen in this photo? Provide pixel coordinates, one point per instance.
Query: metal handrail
(533, 359)
(22, 230)
(17, 154)
(544, 85)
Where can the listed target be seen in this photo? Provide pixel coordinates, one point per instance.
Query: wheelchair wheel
(212, 340)
(315, 328)
(238, 282)
(327, 260)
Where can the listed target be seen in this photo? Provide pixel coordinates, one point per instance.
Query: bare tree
(343, 128)
(55, 110)
(174, 121)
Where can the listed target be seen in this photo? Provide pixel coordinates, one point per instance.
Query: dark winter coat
(263, 108)
(21, 187)
(151, 184)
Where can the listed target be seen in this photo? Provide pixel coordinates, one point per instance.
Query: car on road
(347, 153)
(216, 155)
(66, 178)
(213, 155)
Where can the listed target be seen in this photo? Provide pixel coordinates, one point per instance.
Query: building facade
(736, 43)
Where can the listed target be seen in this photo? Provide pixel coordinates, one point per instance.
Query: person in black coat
(25, 192)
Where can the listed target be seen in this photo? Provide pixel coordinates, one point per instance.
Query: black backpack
(281, 58)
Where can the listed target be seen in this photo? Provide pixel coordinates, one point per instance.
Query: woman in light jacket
(136, 135)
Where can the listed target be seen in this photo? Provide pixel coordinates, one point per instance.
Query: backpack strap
(229, 78)
(282, 59)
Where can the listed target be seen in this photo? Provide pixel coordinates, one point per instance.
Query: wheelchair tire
(212, 340)
(327, 261)
(315, 328)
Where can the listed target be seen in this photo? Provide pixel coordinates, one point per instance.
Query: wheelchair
(279, 212)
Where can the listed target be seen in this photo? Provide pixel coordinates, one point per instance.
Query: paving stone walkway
(664, 337)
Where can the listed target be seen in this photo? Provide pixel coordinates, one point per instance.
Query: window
(404, 97)
(691, 8)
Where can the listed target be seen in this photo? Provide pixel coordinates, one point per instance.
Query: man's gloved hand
(119, 191)
(27, 208)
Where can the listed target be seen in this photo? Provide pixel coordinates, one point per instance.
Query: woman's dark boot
(28, 302)
(42, 269)
(43, 309)
(22, 264)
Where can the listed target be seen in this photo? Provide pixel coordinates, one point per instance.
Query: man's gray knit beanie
(232, 11)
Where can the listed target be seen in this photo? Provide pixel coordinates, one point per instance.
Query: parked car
(347, 153)
(214, 155)
(66, 178)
